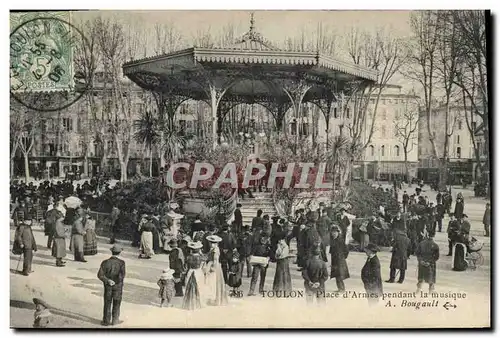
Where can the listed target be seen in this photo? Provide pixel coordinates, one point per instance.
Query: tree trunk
(26, 167)
(407, 169)
(161, 152)
(11, 167)
(104, 159)
(151, 161)
(86, 164)
(443, 173)
(138, 168)
(123, 169)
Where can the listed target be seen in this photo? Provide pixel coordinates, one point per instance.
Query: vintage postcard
(250, 169)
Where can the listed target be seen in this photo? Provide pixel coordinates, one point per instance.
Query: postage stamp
(42, 48)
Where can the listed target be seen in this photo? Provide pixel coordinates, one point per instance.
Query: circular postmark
(42, 59)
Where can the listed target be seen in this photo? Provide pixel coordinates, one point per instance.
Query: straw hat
(214, 239)
(167, 274)
(195, 245)
(38, 301)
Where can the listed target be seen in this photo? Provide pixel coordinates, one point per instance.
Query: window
(304, 130)
(383, 131)
(458, 139)
(335, 115)
(396, 151)
(67, 124)
(182, 127)
(382, 151)
(293, 127)
(459, 124)
(372, 151)
(139, 107)
(459, 152)
(347, 113)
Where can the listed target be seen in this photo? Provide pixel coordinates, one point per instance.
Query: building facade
(74, 139)
(396, 124)
(461, 150)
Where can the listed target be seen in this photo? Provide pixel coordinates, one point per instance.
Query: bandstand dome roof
(251, 67)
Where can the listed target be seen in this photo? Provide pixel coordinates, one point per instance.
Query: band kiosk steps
(249, 206)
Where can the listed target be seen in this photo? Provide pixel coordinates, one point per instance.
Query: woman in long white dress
(146, 227)
(195, 294)
(214, 279)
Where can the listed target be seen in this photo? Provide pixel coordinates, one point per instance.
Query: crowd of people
(208, 262)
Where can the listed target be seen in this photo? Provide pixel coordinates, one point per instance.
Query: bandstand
(251, 71)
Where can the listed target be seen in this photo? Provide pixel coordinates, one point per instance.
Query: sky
(275, 26)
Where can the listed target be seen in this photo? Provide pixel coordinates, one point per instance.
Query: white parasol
(73, 202)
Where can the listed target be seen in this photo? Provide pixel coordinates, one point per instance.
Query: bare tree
(434, 64)
(116, 47)
(472, 75)
(406, 130)
(227, 36)
(167, 38)
(87, 59)
(203, 38)
(16, 130)
(380, 52)
(28, 127)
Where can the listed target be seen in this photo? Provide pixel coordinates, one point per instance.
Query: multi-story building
(396, 123)
(461, 150)
(65, 137)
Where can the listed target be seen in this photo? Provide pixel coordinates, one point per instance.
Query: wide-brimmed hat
(372, 247)
(195, 245)
(214, 239)
(38, 301)
(335, 228)
(167, 274)
(116, 249)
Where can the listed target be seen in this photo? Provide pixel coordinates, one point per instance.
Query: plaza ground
(75, 293)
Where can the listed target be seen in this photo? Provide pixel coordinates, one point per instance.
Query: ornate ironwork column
(296, 92)
(325, 105)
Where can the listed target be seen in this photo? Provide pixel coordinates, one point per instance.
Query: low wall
(195, 206)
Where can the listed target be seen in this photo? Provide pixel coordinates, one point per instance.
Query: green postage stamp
(41, 51)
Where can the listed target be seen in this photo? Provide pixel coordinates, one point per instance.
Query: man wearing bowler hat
(370, 274)
(112, 273)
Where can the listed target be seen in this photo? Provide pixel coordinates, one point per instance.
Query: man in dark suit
(439, 215)
(258, 222)
(112, 273)
(24, 243)
(315, 274)
(226, 246)
(238, 219)
(427, 254)
(406, 200)
(399, 257)
(370, 274)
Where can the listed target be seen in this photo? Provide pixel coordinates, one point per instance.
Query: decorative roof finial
(252, 23)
